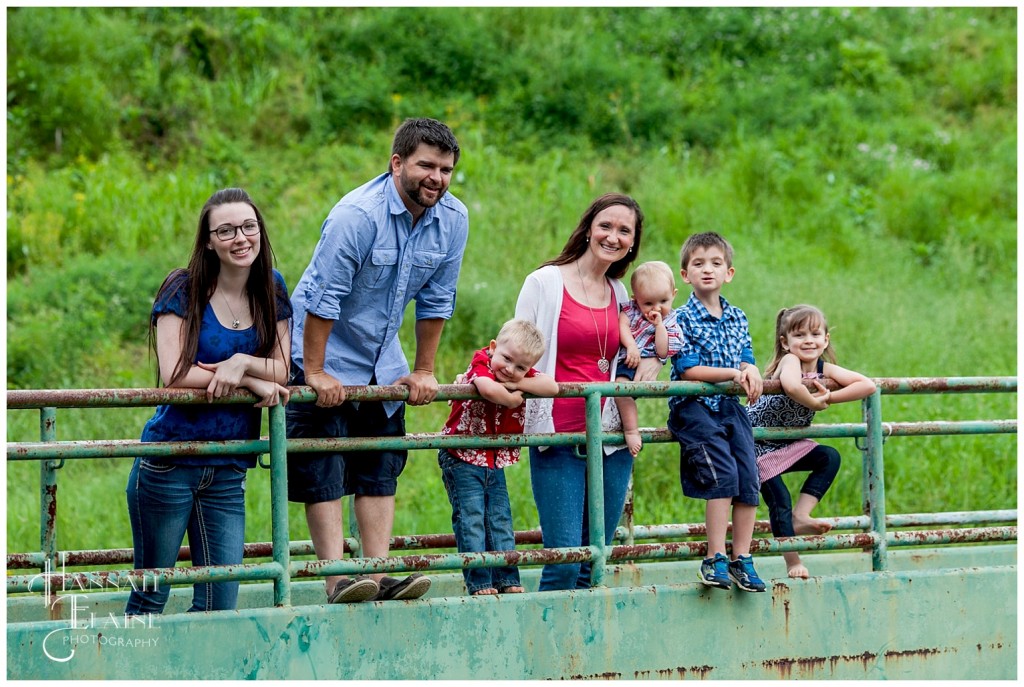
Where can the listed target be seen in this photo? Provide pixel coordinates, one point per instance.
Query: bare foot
(487, 591)
(805, 524)
(633, 441)
(799, 571)
(512, 590)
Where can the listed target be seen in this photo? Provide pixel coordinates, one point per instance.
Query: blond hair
(648, 273)
(525, 336)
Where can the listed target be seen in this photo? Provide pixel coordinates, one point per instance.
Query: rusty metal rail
(876, 537)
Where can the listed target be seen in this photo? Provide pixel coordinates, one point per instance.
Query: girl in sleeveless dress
(802, 351)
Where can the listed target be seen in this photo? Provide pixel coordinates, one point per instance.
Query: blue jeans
(559, 478)
(481, 518)
(165, 501)
(823, 464)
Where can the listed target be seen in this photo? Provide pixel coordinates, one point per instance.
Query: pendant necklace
(234, 320)
(602, 363)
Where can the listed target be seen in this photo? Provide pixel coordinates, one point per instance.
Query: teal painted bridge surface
(946, 613)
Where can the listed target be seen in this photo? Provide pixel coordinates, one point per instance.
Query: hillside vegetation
(861, 159)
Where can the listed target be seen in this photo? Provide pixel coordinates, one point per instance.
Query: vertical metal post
(627, 512)
(874, 479)
(595, 488)
(48, 490)
(353, 527)
(279, 505)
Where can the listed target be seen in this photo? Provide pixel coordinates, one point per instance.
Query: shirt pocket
(424, 265)
(381, 268)
(701, 468)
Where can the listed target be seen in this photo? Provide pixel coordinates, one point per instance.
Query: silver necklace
(235, 322)
(602, 363)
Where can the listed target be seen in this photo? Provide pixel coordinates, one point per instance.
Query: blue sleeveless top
(210, 422)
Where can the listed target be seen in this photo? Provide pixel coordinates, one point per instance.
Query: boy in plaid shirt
(716, 441)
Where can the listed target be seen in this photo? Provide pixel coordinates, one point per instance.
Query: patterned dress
(779, 410)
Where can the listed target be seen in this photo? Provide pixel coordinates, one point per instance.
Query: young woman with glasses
(222, 324)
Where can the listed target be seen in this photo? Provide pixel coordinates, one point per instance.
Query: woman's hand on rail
(227, 376)
(270, 393)
(647, 370)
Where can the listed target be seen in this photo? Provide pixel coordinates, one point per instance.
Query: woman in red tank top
(574, 299)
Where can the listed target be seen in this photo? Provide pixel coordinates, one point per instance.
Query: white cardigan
(540, 302)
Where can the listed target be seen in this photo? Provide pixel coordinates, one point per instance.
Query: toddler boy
(716, 441)
(481, 515)
(647, 329)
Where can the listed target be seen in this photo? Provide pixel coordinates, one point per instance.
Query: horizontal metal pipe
(439, 561)
(449, 561)
(20, 399)
(141, 578)
(960, 536)
(442, 541)
(130, 448)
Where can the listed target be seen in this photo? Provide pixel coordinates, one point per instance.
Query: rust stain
(700, 672)
(780, 591)
(910, 653)
(805, 667)
(51, 506)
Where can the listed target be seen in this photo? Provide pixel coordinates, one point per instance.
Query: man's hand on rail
(422, 387)
(329, 391)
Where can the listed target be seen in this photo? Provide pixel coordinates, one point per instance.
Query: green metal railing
(282, 569)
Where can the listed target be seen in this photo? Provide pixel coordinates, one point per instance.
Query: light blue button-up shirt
(369, 263)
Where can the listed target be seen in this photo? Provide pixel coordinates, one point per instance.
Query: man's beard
(413, 191)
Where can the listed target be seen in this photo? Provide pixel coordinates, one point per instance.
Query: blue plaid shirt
(710, 341)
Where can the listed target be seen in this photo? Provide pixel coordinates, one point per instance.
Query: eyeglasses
(227, 232)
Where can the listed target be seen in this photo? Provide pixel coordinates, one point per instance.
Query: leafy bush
(97, 305)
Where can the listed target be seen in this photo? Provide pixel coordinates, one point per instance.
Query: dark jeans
(481, 518)
(559, 478)
(165, 501)
(823, 464)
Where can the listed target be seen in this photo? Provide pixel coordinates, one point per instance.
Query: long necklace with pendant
(235, 322)
(602, 345)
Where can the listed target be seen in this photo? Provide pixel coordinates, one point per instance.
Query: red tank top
(578, 353)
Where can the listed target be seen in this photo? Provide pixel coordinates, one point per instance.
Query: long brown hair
(789, 320)
(199, 280)
(576, 246)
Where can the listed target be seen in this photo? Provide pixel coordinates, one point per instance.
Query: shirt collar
(698, 308)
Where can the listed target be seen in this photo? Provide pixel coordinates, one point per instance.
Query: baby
(647, 329)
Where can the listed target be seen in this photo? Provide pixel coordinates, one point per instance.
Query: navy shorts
(624, 372)
(716, 450)
(327, 476)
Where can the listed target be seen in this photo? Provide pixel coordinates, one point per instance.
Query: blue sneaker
(714, 572)
(742, 572)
